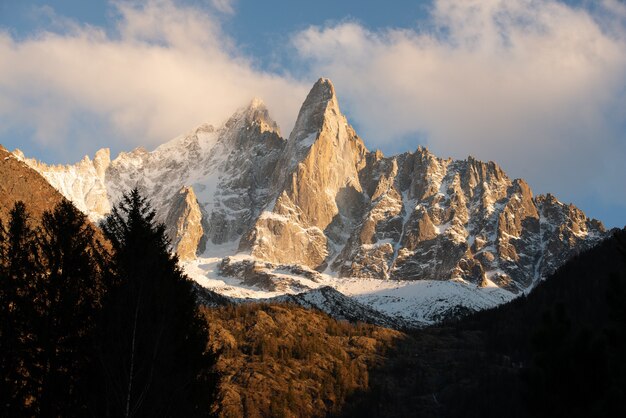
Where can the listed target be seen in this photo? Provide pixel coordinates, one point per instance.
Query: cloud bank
(164, 69)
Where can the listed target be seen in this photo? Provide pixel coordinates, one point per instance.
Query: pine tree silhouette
(67, 299)
(153, 341)
(50, 288)
(18, 266)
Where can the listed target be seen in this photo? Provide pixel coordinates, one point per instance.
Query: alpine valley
(319, 220)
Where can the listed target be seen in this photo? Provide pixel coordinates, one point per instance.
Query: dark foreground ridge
(559, 352)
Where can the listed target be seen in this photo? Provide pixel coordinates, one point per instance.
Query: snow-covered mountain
(413, 235)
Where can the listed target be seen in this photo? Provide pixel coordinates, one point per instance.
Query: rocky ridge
(321, 200)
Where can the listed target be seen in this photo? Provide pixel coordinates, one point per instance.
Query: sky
(538, 86)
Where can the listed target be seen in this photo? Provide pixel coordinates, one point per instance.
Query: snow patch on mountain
(413, 303)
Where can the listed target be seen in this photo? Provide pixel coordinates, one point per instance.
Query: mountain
(321, 202)
(325, 299)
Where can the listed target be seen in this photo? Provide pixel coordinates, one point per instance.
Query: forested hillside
(287, 361)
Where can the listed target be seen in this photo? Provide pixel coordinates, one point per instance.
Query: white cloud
(165, 69)
(535, 85)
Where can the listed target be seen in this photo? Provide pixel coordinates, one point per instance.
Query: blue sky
(537, 86)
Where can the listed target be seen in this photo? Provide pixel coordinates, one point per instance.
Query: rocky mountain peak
(321, 103)
(423, 151)
(317, 188)
(81, 183)
(255, 114)
(17, 153)
(205, 128)
(549, 199)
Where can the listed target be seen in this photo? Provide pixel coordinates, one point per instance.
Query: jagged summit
(256, 103)
(101, 161)
(254, 114)
(320, 104)
(18, 153)
(318, 187)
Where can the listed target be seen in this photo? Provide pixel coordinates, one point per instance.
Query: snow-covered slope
(227, 169)
(415, 236)
(396, 303)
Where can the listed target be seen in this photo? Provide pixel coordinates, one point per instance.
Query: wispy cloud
(224, 6)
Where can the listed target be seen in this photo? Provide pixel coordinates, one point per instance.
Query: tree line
(98, 327)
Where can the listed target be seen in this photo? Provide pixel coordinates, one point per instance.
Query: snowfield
(416, 303)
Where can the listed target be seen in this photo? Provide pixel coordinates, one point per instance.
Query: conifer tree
(50, 286)
(67, 299)
(153, 341)
(18, 266)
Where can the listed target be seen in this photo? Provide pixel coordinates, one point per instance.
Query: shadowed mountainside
(557, 352)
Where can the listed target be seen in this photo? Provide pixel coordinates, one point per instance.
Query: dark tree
(18, 266)
(67, 299)
(153, 341)
(50, 287)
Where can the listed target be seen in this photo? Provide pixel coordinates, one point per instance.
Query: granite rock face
(430, 218)
(184, 223)
(321, 200)
(320, 194)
